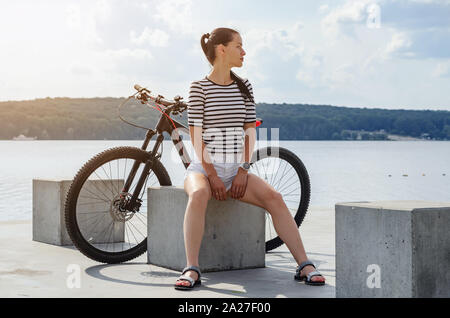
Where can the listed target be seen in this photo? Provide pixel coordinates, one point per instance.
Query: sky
(391, 54)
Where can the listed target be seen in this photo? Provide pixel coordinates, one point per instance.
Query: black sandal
(189, 279)
(310, 275)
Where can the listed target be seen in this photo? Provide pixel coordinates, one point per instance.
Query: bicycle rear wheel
(287, 174)
(96, 222)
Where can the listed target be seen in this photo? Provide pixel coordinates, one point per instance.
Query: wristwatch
(245, 166)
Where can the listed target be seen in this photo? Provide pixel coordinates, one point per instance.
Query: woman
(220, 110)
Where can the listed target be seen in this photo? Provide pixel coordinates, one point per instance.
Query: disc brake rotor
(117, 212)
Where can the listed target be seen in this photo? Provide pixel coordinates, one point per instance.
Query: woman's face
(233, 52)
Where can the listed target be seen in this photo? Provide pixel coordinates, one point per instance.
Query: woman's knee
(197, 187)
(199, 195)
(272, 196)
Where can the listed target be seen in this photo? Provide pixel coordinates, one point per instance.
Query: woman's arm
(200, 150)
(249, 141)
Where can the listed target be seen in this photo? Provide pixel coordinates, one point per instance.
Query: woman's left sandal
(189, 279)
(307, 278)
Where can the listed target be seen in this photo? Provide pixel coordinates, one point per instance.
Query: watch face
(246, 165)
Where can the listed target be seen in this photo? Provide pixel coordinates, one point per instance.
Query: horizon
(341, 106)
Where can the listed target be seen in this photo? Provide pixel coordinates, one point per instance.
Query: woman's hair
(222, 36)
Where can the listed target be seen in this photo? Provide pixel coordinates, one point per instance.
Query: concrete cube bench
(392, 249)
(234, 236)
(48, 211)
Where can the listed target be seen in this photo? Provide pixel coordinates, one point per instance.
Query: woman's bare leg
(262, 194)
(198, 189)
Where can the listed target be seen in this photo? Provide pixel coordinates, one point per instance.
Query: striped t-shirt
(221, 110)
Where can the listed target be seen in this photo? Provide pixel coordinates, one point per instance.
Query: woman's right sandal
(308, 277)
(189, 279)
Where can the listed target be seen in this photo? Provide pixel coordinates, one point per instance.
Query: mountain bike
(106, 209)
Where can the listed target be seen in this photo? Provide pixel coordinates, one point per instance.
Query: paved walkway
(33, 269)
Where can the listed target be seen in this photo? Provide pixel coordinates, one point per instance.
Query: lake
(340, 171)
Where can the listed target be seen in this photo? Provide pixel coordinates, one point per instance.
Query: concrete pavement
(34, 269)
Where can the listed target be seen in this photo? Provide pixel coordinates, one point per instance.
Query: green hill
(96, 118)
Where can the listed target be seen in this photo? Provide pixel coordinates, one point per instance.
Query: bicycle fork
(134, 203)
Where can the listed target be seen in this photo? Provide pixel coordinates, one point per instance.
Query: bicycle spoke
(95, 225)
(137, 242)
(137, 229)
(289, 193)
(96, 215)
(104, 195)
(111, 233)
(287, 187)
(111, 189)
(274, 175)
(106, 187)
(282, 177)
(97, 199)
(145, 224)
(126, 235)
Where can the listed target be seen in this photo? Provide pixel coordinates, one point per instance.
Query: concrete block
(48, 211)
(234, 236)
(392, 249)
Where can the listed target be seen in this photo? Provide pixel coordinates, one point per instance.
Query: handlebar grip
(138, 87)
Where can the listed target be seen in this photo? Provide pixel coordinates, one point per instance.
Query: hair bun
(207, 35)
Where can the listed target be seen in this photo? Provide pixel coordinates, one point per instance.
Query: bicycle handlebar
(144, 96)
(138, 87)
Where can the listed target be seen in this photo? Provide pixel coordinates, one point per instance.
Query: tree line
(97, 118)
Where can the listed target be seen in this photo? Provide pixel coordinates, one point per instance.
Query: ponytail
(242, 87)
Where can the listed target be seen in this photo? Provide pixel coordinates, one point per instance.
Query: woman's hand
(239, 184)
(217, 187)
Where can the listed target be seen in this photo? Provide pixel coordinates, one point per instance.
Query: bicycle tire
(83, 174)
(305, 185)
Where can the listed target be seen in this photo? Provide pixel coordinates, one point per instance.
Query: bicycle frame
(163, 125)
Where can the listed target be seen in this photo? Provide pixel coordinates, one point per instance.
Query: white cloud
(323, 8)
(400, 41)
(177, 14)
(351, 12)
(152, 37)
(341, 75)
(442, 70)
(83, 21)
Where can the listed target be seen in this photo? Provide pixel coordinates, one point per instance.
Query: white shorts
(225, 171)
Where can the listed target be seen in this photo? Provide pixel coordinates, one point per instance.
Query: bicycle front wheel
(287, 174)
(96, 221)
